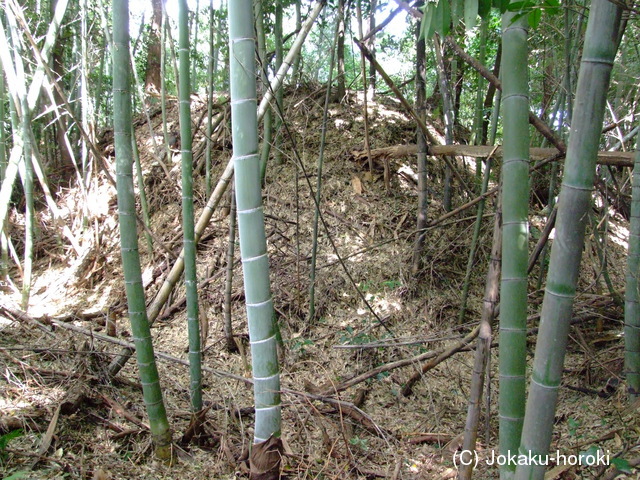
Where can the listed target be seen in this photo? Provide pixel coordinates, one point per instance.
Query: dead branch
(617, 159)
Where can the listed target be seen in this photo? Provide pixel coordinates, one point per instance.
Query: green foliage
(533, 10)
(352, 338)
(362, 443)
(436, 19)
(392, 284)
(16, 475)
(622, 465)
(300, 345)
(573, 425)
(5, 439)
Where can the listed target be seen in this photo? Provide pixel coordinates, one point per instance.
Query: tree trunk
(154, 50)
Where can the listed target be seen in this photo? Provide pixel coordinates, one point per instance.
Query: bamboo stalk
(575, 199)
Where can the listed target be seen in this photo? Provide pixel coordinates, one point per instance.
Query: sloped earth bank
(77, 424)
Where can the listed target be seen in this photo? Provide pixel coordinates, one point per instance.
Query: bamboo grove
(523, 114)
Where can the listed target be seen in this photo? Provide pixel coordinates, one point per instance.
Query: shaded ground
(54, 379)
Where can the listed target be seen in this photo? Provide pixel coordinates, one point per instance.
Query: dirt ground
(73, 422)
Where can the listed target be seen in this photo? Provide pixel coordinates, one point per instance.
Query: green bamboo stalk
(23, 131)
(421, 142)
(228, 284)
(267, 120)
(632, 298)
(316, 215)
(216, 46)
(33, 94)
(210, 88)
(144, 205)
(341, 87)
(600, 242)
(363, 73)
(447, 108)
(371, 45)
(87, 113)
(253, 247)
(292, 54)
(4, 244)
(172, 52)
(159, 425)
(296, 64)
(483, 347)
(474, 243)
(195, 27)
(277, 137)
(188, 227)
(515, 235)
(479, 106)
(599, 52)
(27, 269)
(176, 271)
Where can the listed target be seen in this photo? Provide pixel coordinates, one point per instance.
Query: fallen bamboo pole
(615, 159)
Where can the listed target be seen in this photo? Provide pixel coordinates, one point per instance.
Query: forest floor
(75, 423)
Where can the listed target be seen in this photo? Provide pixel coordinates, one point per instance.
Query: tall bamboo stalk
(479, 106)
(188, 227)
(277, 136)
(446, 93)
(474, 243)
(176, 271)
(515, 235)
(144, 205)
(267, 120)
(316, 216)
(195, 27)
(421, 142)
(296, 63)
(210, 88)
(160, 432)
(4, 244)
(575, 199)
(253, 247)
(363, 72)
(228, 283)
(632, 298)
(483, 347)
(24, 132)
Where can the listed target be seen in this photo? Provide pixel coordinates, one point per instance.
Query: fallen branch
(437, 356)
(347, 408)
(617, 159)
(446, 353)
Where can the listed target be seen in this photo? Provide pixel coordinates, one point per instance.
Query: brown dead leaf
(356, 183)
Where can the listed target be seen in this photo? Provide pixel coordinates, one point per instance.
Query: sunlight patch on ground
(619, 234)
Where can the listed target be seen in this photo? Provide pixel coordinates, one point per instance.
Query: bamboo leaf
(552, 6)
(520, 6)
(503, 5)
(470, 13)
(534, 17)
(426, 27)
(442, 18)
